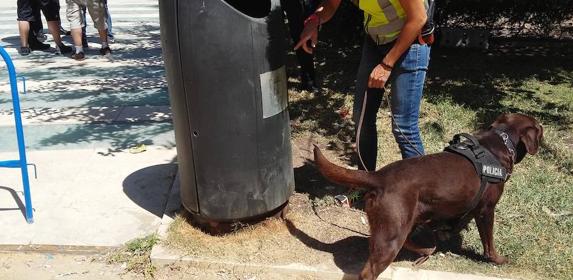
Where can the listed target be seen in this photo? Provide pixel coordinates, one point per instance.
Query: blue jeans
(406, 86)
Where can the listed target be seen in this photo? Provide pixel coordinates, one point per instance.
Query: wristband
(386, 65)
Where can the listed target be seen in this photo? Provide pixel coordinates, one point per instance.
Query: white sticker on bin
(274, 92)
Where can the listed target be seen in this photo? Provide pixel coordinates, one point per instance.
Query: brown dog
(433, 189)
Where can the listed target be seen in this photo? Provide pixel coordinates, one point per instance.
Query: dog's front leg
(484, 221)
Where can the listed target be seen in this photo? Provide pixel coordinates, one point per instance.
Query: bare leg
(77, 36)
(102, 35)
(54, 27)
(24, 29)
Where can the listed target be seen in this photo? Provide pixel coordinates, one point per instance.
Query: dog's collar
(507, 142)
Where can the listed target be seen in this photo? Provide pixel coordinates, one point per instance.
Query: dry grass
(302, 238)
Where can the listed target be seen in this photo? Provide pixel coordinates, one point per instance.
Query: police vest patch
(493, 171)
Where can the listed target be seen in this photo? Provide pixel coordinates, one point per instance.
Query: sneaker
(105, 51)
(24, 51)
(79, 56)
(63, 49)
(110, 39)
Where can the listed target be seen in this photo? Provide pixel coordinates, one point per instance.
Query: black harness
(487, 166)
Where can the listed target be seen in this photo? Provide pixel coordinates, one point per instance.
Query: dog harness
(488, 168)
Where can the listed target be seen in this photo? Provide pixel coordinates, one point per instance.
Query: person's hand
(309, 33)
(379, 76)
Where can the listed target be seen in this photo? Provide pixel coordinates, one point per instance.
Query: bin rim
(261, 20)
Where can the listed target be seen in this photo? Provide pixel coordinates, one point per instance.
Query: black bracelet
(386, 65)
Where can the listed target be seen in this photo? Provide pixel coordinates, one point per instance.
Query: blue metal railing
(19, 163)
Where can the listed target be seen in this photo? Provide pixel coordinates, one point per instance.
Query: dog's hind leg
(423, 251)
(386, 239)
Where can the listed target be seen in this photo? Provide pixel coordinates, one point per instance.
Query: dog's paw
(497, 259)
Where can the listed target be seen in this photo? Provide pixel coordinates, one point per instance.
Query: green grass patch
(135, 255)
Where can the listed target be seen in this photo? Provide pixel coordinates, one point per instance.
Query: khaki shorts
(96, 9)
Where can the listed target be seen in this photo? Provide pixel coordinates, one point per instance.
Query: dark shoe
(63, 49)
(79, 56)
(308, 83)
(24, 51)
(105, 51)
(36, 45)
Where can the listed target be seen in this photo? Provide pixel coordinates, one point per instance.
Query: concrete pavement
(80, 120)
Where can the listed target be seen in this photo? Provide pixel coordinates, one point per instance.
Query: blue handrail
(19, 163)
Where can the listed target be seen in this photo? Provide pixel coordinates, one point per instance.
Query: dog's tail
(340, 175)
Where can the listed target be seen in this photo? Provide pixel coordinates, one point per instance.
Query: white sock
(104, 45)
(79, 49)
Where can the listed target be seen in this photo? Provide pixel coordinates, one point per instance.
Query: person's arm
(415, 19)
(323, 13)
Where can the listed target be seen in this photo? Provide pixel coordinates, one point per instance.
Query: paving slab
(87, 197)
(80, 119)
(134, 77)
(85, 115)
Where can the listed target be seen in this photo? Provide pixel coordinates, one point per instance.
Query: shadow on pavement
(150, 187)
(19, 202)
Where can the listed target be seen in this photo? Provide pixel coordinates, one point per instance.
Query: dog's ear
(531, 137)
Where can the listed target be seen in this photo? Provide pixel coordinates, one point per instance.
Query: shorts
(50, 8)
(96, 9)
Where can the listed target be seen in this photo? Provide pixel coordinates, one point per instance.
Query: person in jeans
(96, 9)
(28, 13)
(394, 53)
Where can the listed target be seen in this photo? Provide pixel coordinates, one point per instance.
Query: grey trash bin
(225, 64)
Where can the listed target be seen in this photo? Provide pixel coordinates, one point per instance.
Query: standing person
(393, 51)
(96, 9)
(110, 35)
(27, 13)
(297, 11)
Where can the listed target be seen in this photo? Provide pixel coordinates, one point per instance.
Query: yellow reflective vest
(383, 19)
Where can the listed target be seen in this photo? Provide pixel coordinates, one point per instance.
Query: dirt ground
(25, 266)
(315, 232)
(44, 266)
(40, 266)
(325, 236)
